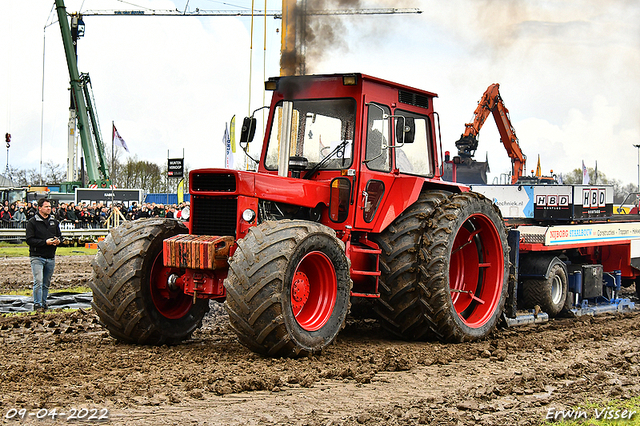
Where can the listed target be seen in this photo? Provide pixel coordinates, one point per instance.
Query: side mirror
(405, 130)
(248, 129)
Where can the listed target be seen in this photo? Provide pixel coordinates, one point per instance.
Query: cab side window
(415, 157)
(377, 155)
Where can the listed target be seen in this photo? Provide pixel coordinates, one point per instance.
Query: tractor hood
(225, 182)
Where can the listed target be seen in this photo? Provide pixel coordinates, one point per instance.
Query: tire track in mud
(366, 377)
(545, 368)
(514, 377)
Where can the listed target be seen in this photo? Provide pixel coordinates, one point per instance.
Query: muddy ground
(67, 362)
(71, 271)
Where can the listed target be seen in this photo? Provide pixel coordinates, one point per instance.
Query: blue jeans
(42, 271)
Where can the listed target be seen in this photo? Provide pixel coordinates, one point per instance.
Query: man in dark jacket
(43, 236)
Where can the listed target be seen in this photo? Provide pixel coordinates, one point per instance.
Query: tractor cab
(357, 132)
(321, 116)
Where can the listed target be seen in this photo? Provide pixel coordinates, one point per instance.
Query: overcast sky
(569, 72)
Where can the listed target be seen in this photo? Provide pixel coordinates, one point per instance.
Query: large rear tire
(129, 286)
(401, 303)
(464, 268)
(288, 288)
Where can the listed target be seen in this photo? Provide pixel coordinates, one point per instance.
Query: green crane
(82, 109)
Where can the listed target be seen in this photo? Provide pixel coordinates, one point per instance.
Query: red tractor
(347, 203)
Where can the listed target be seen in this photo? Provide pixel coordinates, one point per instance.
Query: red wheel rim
(314, 290)
(476, 272)
(171, 304)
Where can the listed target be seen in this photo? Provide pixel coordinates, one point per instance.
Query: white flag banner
(116, 139)
(585, 174)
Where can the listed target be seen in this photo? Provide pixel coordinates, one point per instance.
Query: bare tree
(54, 173)
(19, 176)
(134, 173)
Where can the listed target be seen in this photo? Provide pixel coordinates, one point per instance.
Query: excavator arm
(492, 103)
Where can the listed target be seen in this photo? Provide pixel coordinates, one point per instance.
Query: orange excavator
(491, 102)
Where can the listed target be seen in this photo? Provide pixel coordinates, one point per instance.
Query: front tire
(464, 268)
(127, 286)
(288, 288)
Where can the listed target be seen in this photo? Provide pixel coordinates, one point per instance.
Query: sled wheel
(464, 267)
(549, 294)
(401, 303)
(288, 288)
(129, 286)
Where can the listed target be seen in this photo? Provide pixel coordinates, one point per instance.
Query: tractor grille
(217, 182)
(413, 99)
(214, 216)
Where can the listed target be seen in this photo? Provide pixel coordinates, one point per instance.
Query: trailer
(573, 253)
(541, 203)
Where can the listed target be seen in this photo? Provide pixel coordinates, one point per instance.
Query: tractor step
(361, 249)
(358, 251)
(370, 273)
(368, 295)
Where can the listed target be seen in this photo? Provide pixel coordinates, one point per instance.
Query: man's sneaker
(37, 308)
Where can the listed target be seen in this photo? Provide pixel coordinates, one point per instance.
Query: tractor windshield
(319, 128)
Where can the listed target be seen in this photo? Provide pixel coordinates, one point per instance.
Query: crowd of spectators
(86, 215)
(17, 214)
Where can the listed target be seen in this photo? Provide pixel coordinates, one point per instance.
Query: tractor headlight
(248, 215)
(186, 212)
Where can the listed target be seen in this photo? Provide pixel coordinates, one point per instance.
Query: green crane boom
(97, 172)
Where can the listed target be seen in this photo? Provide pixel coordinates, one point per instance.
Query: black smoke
(316, 33)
